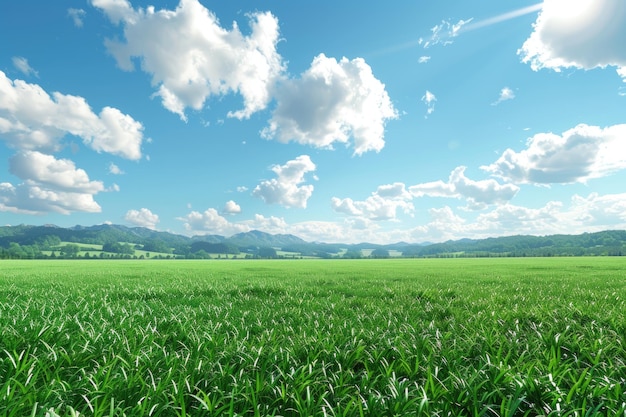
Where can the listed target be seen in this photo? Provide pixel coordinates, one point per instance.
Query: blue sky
(334, 121)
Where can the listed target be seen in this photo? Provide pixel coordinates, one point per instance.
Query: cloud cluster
(578, 155)
(34, 123)
(581, 34)
(210, 221)
(191, 57)
(285, 189)
(33, 120)
(142, 218)
(383, 204)
(50, 184)
(478, 194)
(331, 102)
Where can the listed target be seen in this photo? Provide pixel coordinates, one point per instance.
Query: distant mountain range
(600, 243)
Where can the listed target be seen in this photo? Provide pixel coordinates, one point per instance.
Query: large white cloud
(331, 102)
(50, 185)
(579, 154)
(32, 198)
(286, 189)
(46, 170)
(32, 120)
(143, 218)
(191, 57)
(478, 193)
(582, 34)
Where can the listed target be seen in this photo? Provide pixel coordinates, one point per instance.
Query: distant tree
(119, 248)
(379, 253)
(156, 245)
(70, 250)
(351, 254)
(267, 252)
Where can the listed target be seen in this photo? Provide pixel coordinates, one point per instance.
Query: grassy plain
(396, 337)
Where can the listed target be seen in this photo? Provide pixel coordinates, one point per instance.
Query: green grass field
(397, 337)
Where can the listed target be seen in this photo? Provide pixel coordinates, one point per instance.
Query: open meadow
(395, 337)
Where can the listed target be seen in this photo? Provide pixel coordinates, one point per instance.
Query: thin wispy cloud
(429, 99)
(22, 64)
(501, 18)
(77, 16)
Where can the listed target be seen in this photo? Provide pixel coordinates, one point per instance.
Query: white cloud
(331, 102)
(77, 16)
(32, 120)
(58, 174)
(423, 59)
(114, 169)
(383, 204)
(191, 57)
(373, 207)
(117, 10)
(31, 198)
(579, 154)
(429, 99)
(142, 218)
(231, 208)
(505, 94)
(397, 190)
(582, 34)
(286, 189)
(600, 212)
(242, 189)
(50, 185)
(478, 194)
(443, 33)
(210, 221)
(22, 64)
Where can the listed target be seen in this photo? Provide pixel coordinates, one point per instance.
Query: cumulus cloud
(478, 194)
(32, 120)
(231, 208)
(49, 185)
(22, 64)
(505, 94)
(581, 34)
(286, 189)
(58, 174)
(331, 102)
(32, 198)
(77, 16)
(191, 57)
(383, 204)
(210, 221)
(142, 218)
(579, 154)
(429, 99)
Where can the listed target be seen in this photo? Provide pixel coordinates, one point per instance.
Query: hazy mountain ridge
(610, 242)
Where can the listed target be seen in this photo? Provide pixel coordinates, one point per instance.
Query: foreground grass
(492, 337)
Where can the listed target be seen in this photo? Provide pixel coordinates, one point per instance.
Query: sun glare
(572, 10)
